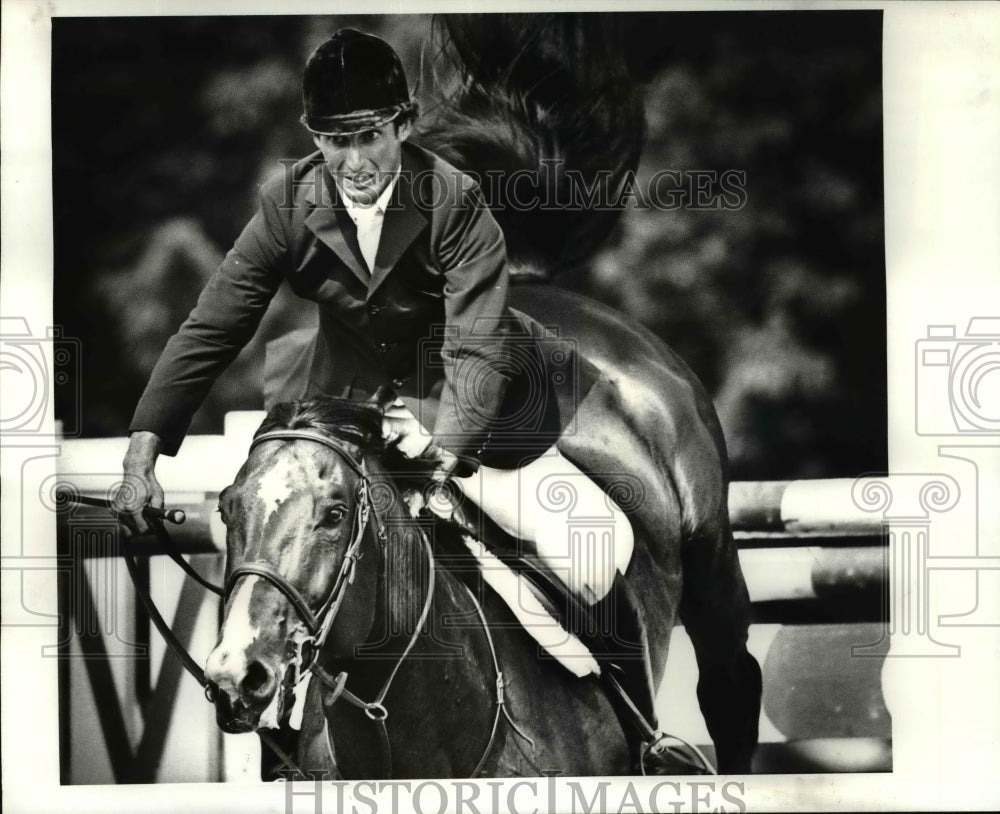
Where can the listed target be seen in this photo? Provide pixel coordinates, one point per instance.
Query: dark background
(163, 127)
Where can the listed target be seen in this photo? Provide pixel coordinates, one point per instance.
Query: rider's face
(363, 163)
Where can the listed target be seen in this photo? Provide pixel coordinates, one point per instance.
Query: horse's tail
(548, 119)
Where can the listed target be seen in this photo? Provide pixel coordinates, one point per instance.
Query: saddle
(582, 638)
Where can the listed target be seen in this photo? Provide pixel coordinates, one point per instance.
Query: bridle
(318, 623)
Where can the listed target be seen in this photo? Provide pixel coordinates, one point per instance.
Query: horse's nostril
(258, 680)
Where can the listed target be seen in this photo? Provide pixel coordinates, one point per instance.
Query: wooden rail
(808, 553)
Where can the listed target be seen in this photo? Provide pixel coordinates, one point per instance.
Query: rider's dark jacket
(430, 321)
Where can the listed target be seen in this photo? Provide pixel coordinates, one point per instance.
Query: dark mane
(358, 423)
(537, 92)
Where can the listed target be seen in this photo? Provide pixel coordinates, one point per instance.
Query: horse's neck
(441, 695)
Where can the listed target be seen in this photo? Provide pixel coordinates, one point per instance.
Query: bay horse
(422, 674)
(537, 91)
(300, 502)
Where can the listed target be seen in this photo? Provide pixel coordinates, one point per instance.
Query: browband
(338, 446)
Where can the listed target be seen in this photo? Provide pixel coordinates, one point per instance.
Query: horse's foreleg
(715, 610)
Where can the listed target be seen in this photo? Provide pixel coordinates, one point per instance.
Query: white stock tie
(369, 225)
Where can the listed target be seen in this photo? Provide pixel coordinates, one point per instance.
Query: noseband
(320, 622)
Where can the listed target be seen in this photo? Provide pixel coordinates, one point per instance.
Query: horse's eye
(335, 515)
(221, 508)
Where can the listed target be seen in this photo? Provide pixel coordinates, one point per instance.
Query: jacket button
(397, 383)
(383, 347)
(373, 309)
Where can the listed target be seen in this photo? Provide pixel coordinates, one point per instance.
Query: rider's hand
(401, 429)
(445, 463)
(439, 497)
(139, 487)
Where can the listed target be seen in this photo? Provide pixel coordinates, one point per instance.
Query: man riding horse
(409, 270)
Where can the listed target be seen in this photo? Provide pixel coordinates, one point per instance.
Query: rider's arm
(227, 315)
(222, 323)
(473, 255)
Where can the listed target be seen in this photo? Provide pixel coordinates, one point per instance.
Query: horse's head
(303, 548)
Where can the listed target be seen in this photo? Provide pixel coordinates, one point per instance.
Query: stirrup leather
(659, 752)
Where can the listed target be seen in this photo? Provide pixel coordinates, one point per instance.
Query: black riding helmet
(353, 82)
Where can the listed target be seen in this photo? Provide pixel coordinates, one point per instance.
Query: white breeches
(577, 530)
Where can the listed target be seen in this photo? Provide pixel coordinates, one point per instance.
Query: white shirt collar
(360, 211)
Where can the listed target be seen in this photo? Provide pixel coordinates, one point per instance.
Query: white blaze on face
(274, 488)
(230, 656)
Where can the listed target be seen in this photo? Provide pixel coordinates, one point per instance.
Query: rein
(319, 624)
(154, 518)
(376, 709)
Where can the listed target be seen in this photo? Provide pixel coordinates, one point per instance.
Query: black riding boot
(621, 649)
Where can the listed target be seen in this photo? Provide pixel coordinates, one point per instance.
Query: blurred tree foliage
(164, 127)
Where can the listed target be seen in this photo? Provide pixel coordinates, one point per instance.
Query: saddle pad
(521, 596)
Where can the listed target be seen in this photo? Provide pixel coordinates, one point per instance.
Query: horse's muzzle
(233, 717)
(241, 693)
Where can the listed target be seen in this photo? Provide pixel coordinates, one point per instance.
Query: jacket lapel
(323, 221)
(403, 222)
